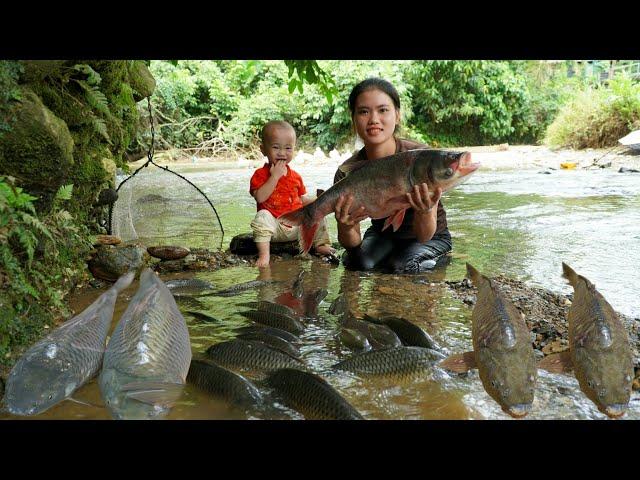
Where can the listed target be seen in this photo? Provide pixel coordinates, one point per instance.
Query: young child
(278, 190)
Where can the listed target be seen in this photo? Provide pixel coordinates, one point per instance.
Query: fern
(95, 97)
(101, 127)
(93, 77)
(64, 192)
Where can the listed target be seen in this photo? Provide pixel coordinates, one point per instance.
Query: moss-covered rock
(141, 80)
(38, 150)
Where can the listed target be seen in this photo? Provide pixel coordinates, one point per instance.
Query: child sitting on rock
(278, 190)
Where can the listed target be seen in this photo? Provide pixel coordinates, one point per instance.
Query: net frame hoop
(166, 169)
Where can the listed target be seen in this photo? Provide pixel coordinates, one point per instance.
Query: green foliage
(308, 71)
(597, 117)
(40, 257)
(9, 91)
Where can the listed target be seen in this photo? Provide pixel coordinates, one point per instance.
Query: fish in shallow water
(379, 336)
(222, 383)
(409, 333)
(381, 186)
(397, 362)
(272, 341)
(148, 356)
(599, 351)
(66, 359)
(502, 349)
(353, 339)
(276, 320)
(239, 288)
(311, 395)
(187, 286)
(271, 307)
(339, 305)
(203, 316)
(251, 356)
(263, 329)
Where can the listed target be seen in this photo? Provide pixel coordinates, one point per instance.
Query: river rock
(243, 244)
(168, 252)
(107, 240)
(38, 148)
(141, 80)
(110, 262)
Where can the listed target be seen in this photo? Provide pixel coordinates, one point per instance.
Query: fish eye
(590, 383)
(448, 172)
(50, 396)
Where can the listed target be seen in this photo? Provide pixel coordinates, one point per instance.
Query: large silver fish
(66, 359)
(148, 357)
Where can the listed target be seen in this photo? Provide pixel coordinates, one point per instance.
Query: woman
(423, 236)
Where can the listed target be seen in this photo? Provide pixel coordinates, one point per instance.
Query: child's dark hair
(373, 84)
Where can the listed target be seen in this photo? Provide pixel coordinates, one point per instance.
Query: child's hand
(278, 169)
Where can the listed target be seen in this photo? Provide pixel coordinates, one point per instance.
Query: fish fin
(371, 319)
(124, 281)
(154, 393)
(569, 274)
(397, 218)
(81, 402)
(473, 274)
(460, 362)
(557, 362)
(302, 218)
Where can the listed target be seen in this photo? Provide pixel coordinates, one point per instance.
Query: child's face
(279, 144)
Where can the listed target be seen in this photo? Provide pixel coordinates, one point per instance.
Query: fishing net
(158, 206)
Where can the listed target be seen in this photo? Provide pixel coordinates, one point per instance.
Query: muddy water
(517, 223)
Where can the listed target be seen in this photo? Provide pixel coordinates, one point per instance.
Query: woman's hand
(419, 199)
(342, 208)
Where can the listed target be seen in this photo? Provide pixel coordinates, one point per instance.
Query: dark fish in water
(250, 356)
(273, 342)
(502, 349)
(380, 336)
(311, 395)
(272, 307)
(409, 333)
(353, 339)
(381, 186)
(400, 362)
(339, 305)
(239, 288)
(276, 320)
(203, 316)
(66, 359)
(263, 329)
(168, 252)
(220, 382)
(297, 289)
(599, 351)
(148, 356)
(187, 286)
(312, 301)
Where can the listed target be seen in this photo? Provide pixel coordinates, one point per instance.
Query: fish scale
(276, 320)
(394, 361)
(150, 345)
(64, 360)
(248, 355)
(311, 395)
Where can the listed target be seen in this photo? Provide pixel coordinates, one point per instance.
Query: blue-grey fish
(66, 359)
(147, 359)
(599, 351)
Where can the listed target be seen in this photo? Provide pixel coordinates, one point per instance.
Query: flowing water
(518, 223)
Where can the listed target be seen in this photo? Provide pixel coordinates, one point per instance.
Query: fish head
(510, 382)
(609, 389)
(441, 168)
(121, 403)
(36, 385)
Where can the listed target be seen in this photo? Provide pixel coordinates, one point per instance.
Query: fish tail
(124, 281)
(569, 274)
(308, 227)
(474, 274)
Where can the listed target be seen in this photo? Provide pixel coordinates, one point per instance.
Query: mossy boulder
(141, 80)
(38, 150)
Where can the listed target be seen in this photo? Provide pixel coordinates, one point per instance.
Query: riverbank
(494, 157)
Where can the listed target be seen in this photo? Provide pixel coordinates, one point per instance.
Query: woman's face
(375, 117)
